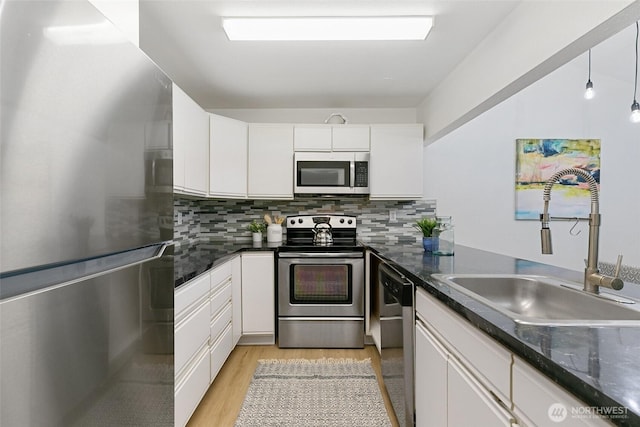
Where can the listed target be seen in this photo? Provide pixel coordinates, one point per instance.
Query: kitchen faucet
(592, 277)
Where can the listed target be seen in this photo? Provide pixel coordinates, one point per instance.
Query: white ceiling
(186, 39)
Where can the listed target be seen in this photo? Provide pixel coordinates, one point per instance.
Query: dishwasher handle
(396, 284)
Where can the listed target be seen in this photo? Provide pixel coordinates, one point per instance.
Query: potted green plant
(426, 226)
(257, 228)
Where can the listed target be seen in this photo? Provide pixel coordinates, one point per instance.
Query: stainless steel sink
(543, 300)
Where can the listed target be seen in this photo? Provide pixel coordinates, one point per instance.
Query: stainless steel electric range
(321, 283)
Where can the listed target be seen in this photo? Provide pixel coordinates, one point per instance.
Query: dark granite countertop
(193, 260)
(599, 365)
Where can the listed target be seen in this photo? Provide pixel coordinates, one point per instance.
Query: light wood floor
(222, 402)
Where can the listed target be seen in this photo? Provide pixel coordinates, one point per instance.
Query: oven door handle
(320, 255)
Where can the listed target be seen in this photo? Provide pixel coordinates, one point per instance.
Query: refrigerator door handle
(26, 282)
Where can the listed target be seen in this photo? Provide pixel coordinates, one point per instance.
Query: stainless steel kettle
(322, 234)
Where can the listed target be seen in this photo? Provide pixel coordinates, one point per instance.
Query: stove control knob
(350, 221)
(299, 220)
(293, 221)
(341, 220)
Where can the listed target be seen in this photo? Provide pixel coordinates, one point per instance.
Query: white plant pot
(256, 237)
(274, 233)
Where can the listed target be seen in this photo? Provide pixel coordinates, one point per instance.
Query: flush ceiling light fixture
(589, 92)
(635, 107)
(328, 28)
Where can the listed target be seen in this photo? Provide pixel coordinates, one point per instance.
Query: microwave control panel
(362, 174)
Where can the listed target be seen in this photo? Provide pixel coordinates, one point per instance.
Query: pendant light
(589, 92)
(635, 107)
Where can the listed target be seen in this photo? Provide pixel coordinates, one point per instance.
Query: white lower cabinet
(470, 402)
(258, 298)
(221, 312)
(538, 401)
(431, 380)
(236, 298)
(191, 358)
(450, 389)
(203, 335)
(220, 351)
(463, 378)
(191, 386)
(191, 302)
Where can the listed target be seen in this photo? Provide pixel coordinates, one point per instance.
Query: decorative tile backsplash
(628, 273)
(228, 219)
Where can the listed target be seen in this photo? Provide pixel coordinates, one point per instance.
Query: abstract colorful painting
(538, 159)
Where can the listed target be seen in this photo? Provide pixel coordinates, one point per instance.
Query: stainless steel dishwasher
(396, 341)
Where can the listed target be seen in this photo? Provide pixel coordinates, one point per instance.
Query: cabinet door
(431, 380)
(191, 144)
(396, 163)
(350, 138)
(312, 138)
(236, 298)
(270, 165)
(258, 294)
(537, 399)
(228, 157)
(489, 361)
(468, 403)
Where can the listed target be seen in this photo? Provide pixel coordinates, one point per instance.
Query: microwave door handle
(352, 173)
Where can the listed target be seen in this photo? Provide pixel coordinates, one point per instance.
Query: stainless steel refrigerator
(86, 280)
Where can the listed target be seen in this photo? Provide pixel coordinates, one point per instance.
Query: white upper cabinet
(331, 137)
(227, 157)
(350, 138)
(312, 138)
(190, 145)
(270, 165)
(396, 163)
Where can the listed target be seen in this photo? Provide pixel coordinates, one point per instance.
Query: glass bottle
(444, 232)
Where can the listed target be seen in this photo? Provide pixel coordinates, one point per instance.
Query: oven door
(326, 284)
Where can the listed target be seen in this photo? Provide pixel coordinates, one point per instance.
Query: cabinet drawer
(220, 351)
(220, 322)
(220, 298)
(220, 274)
(190, 293)
(490, 361)
(190, 334)
(193, 386)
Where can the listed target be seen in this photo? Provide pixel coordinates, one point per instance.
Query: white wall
(471, 170)
(318, 115)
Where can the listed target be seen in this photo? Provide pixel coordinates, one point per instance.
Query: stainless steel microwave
(331, 173)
